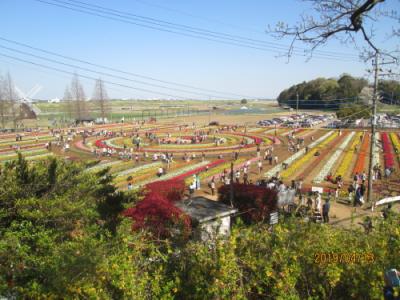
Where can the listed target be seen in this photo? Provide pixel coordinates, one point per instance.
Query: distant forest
(323, 93)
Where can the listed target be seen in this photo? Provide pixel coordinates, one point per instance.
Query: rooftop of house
(202, 209)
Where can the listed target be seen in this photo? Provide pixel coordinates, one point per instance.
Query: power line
(120, 71)
(195, 29)
(102, 73)
(87, 77)
(185, 32)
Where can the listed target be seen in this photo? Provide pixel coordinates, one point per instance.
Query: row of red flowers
(387, 151)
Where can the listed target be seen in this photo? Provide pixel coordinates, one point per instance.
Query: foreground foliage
(63, 237)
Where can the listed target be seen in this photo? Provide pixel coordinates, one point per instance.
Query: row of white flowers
(375, 151)
(102, 166)
(40, 156)
(328, 166)
(137, 169)
(171, 175)
(297, 155)
(23, 152)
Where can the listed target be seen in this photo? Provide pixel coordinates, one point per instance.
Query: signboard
(273, 218)
(317, 189)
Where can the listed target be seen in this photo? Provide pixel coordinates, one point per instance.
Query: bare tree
(78, 98)
(3, 104)
(101, 98)
(11, 99)
(342, 20)
(67, 102)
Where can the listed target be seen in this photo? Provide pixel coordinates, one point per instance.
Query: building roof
(202, 209)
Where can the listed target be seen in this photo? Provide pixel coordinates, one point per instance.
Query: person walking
(325, 211)
(259, 164)
(212, 186)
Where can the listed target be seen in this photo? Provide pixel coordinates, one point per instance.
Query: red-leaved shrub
(158, 215)
(172, 190)
(254, 203)
(157, 212)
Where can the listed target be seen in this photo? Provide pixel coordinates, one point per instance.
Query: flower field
(295, 156)
(206, 151)
(348, 157)
(332, 160)
(396, 144)
(361, 159)
(388, 156)
(296, 166)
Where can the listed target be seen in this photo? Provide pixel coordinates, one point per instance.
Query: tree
(243, 101)
(78, 97)
(101, 98)
(67, 101)
(11, 98)
(343, 20)
(3, 104)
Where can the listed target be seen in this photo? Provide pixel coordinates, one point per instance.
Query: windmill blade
(20, 93)
(36, 89)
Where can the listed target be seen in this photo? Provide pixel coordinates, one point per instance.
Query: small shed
(86, 121)
(209, 218)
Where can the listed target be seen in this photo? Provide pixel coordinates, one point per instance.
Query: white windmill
(26, 98)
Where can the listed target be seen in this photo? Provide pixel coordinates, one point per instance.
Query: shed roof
(202, 209)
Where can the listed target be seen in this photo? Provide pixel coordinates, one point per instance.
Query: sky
(184, 67)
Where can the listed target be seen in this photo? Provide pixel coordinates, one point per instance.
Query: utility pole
(373, 126)
(231, 185)
(297, 103)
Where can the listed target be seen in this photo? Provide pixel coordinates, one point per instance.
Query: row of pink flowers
(387, 151)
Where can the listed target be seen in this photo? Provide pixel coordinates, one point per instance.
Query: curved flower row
(348, 157)
(332, 160)
(239, 165)
(298, 163)
(218, 171)
(176, 174)
(102, 166)
(295, 156)
(28, 153)
(360, 163)
(387, 151)
(138, 169)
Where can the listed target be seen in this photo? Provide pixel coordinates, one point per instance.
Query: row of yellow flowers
(348, 157)
(298, 163)
(396, 143)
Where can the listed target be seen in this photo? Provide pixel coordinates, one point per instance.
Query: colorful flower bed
(396, 144)
(174, 173)
(348, 157)
(138, 169)
(295, 156)
(360, 163)
(387, 151)
(332, 160)
(375, 151)
(102, 166)
(298, 163)
(325, 151)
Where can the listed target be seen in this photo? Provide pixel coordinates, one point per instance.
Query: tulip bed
(304, 159)
(332, 160)
(325, 151)
(396, 144)
(295, 156)
(348, 157)
(360, 163)
(387, 151)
